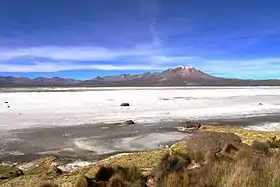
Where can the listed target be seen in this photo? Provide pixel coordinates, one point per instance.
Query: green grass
(247, 136)
(180, 147)
(139, 159)
(7, 171)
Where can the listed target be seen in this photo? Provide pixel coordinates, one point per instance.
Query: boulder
(125, 104)
(188, 126)
(204, 141)
(129, 122)
(191, 125)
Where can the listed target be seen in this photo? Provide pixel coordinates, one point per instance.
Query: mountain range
(179, 76)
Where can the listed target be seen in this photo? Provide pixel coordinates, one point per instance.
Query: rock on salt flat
(42, 109)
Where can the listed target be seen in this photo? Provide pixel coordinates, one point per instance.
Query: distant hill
(40, 81)
(180, 76)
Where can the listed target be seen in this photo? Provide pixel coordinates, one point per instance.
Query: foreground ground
(256, 165)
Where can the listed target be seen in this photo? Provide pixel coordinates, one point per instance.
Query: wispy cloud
(259, 63)
(73, 53)
(138, 58)
(161, 59)
(248, 68)
(64, 66)
(53, 58)
(156, 40)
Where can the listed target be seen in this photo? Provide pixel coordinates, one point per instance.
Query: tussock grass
(260, 146)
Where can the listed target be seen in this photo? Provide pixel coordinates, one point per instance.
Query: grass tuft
(260, 146)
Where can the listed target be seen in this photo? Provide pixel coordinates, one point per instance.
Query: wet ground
(96, 141)
(85, 141)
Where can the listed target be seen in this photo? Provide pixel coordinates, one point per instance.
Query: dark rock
(129, 122)
(6, 102)
(8, 106)
(3, 177)
(104, 173)
(191, 125)
(57, 170)
(260, 104)
(125, 104)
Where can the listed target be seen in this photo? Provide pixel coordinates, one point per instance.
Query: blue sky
(86, 38)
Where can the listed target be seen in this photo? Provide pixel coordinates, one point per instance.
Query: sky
(83, 39)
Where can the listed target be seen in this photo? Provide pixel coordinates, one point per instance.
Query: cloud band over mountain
(228, 39)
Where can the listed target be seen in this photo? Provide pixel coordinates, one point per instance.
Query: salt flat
(95, 105)
(82, 122)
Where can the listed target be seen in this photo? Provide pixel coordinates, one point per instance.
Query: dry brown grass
(247, 170)
(260, 146)
(174, 179)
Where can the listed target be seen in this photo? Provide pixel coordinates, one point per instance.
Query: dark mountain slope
(180, 76)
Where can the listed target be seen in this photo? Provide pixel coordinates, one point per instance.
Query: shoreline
(63, 175)
(80, 88)
(128, 136)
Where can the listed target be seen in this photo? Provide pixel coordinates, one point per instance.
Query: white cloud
(216, 67)
(171, 59)
(137, 58)
(62, 66)
(68, 58)
(73, 53)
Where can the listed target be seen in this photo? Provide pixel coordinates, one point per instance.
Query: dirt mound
(213, 141)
